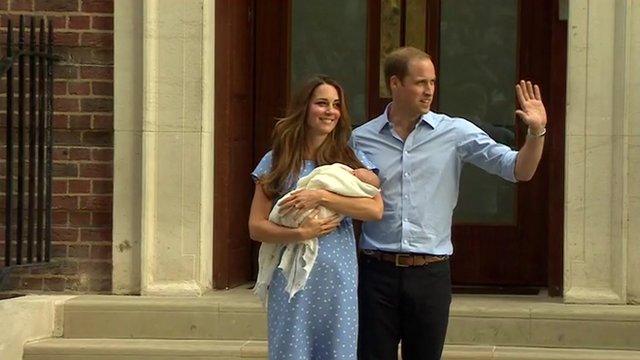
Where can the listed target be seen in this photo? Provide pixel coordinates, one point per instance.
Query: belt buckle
(398, 256)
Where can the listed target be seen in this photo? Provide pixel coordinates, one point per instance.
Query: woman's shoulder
(268, 155)
(267, 158)
(264, 165)
(364, 159)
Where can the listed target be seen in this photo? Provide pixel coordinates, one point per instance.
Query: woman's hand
(313, 227)
(302, 200)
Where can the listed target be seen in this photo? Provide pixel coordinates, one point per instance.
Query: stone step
(153, 349)
(232, 315)
(521, 321)
(140, 349)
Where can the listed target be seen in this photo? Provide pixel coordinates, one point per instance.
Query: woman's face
(323, 112)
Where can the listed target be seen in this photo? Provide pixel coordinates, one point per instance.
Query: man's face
(413, 95)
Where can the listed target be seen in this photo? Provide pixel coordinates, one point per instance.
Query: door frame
(236, 24)
(231, 243)
(541, 34)
(271, 89)
(550, 41)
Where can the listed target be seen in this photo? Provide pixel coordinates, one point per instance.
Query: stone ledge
(521, 321)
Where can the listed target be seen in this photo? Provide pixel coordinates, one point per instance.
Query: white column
(127, 175)
(177, 159)
(166, 188)
(600, 117)
(632, 88)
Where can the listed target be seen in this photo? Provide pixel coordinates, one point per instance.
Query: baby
(298, 258)
(289, 210)
(367, 176)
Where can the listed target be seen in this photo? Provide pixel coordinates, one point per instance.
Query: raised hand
(532, 110)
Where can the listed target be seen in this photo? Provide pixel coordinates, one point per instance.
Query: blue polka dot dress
(321, 321)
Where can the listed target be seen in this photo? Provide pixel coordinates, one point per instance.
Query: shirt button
(406, 220)
(406, 174)
(406, 196)
(406, 152)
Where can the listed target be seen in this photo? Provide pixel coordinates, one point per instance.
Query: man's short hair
(397, 62)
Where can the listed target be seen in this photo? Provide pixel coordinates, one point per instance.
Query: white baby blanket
(299, 257)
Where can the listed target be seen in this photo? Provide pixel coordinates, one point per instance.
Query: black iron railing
(30, 244)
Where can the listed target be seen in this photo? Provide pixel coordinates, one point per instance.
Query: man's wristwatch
(540, 134)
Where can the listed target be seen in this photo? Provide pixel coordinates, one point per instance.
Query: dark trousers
(408, 304)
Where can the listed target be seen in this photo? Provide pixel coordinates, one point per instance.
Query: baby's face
(360, 173)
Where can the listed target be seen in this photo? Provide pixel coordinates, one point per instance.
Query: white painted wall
(26, 319)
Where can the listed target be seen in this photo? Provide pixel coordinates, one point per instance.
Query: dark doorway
(505, 236)
(251, 87)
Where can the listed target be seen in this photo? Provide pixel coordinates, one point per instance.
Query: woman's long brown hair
(289, 140)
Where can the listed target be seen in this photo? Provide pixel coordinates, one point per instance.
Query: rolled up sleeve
(477, 148)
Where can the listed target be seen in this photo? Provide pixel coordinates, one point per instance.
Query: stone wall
(83, 150)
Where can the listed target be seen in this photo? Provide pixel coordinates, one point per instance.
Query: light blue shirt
(420, 178)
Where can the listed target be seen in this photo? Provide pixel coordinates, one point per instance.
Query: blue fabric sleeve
(366, 162)
(263, 167)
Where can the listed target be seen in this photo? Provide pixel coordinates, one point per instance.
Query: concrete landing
(232, 325)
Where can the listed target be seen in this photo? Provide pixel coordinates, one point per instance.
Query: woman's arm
(263, 230)
(361, 208)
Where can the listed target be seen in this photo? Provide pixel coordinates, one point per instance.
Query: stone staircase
(232, 325)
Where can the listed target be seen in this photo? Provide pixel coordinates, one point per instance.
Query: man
(404, 278)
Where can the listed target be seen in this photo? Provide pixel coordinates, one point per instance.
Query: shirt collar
(429, 118)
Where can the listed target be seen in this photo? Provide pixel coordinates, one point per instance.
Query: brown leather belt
(405, 260)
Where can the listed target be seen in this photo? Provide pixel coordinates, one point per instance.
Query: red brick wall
(83, 151)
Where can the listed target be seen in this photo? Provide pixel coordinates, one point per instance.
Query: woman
(319, 322)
